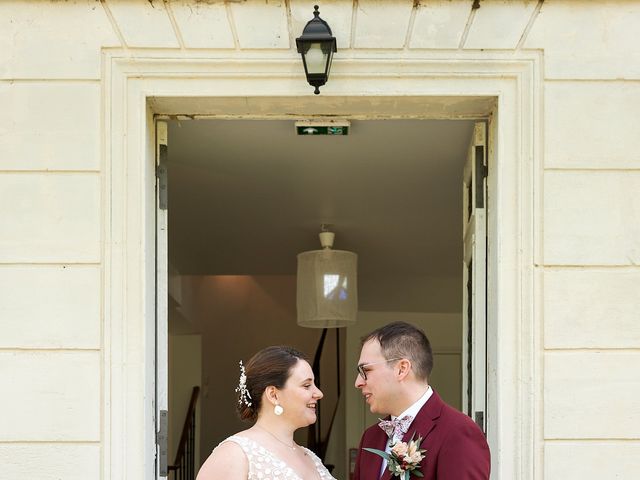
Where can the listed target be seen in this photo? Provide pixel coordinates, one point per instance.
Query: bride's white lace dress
(264, 465)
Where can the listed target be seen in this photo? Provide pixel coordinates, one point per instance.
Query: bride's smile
(277, 392)
(299, 396)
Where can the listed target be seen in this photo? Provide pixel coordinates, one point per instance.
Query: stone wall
(52, 203)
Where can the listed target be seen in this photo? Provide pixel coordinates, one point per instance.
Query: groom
(393, 375)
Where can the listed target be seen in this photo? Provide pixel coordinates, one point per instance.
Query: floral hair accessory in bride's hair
(244, 396)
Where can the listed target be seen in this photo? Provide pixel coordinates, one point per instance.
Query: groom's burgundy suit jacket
(456, 448)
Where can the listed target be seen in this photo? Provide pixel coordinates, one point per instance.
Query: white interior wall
(237, 316)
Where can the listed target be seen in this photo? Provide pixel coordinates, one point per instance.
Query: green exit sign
(322, 128)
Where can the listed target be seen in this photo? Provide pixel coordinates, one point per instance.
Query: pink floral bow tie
(397, 427)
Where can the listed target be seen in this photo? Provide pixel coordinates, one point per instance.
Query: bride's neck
(277, 427)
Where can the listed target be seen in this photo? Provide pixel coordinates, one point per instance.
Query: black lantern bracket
(317, 46)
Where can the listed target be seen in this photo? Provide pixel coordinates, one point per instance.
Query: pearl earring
(278, 410)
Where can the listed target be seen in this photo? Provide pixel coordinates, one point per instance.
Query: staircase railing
(184, 466)
(316, 441)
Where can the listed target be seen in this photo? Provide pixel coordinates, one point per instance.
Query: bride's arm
(226, 462)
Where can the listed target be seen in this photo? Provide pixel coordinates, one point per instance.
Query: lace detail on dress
(264, 465)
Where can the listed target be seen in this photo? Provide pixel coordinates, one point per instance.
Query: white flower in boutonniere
(404, 458)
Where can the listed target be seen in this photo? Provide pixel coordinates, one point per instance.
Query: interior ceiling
(245, 196)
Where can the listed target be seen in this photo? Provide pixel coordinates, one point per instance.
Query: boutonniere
(404, 458)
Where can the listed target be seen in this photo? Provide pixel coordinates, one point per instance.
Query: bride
(277, 391)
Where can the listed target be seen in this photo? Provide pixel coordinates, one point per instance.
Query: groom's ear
(404, 367)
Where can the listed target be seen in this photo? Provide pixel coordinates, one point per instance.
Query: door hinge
(161, 163)
(162, 443)
(479, 419)
(481, 175)
(161, 175)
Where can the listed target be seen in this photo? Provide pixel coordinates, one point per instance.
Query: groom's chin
(376, 411)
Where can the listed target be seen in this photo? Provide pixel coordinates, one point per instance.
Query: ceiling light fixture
(327, 288)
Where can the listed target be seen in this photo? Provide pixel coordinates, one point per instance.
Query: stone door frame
(504, 87)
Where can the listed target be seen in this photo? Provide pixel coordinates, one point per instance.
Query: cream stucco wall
(55, 360)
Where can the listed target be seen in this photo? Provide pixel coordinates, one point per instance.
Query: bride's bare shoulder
(227, 461)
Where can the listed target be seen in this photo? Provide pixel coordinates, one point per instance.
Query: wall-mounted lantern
(317, 46)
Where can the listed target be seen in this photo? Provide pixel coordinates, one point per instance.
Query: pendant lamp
(327, 287)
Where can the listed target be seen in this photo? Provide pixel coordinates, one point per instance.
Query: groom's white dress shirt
(412, 411)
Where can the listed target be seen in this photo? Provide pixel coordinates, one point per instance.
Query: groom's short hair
(403, 340)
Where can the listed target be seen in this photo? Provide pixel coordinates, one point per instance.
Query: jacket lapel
(373, 461)
(422, 425)
(427, 418)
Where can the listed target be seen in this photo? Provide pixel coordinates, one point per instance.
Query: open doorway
(246, 196)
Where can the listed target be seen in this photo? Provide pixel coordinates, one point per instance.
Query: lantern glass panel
(316, 59)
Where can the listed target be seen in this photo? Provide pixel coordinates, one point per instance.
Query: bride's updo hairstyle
(271, 366)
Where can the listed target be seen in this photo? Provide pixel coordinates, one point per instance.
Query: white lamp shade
(327, 288)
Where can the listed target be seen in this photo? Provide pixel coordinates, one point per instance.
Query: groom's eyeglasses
(363, 367)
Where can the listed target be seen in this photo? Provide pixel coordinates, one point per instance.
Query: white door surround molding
(504, 87)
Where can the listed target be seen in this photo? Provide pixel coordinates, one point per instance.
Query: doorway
(504, 87)
(247, 195)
